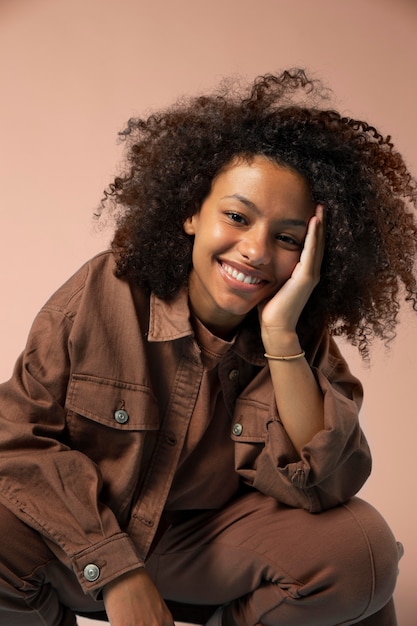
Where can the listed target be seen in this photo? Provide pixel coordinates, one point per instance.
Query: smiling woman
(173, 157)
(248, 236)
(189, 379)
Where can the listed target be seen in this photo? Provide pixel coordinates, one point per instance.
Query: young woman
(180, 438)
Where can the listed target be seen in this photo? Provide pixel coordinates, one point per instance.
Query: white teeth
(240, 276)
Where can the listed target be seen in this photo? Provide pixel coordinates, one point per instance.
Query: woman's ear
(189, 225)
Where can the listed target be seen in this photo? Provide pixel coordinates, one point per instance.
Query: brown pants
(268, 564)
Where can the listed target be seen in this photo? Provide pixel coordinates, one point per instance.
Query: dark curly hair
(371, 235)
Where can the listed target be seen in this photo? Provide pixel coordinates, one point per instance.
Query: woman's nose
(254, 247)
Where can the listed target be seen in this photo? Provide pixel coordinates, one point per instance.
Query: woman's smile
(248, 237)
(240, 275)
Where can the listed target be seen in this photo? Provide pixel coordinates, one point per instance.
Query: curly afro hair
(173, 156)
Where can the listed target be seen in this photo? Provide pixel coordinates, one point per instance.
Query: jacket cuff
(100, 564)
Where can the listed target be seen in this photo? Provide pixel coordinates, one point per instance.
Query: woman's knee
(344, 564)
(381, 551)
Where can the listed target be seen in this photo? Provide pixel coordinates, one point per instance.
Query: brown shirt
(120, 408)
(205, 477)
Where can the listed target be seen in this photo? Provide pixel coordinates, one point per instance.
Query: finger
(314, 243)
(310, 245)
(320, 235)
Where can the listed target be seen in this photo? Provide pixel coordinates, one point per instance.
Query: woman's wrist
(281, 344)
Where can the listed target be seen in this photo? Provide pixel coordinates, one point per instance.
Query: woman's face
(248, 237)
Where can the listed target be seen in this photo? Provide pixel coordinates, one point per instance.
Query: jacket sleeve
(335, 464)
(45, 483)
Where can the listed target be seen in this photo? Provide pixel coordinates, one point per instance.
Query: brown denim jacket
(93, 420)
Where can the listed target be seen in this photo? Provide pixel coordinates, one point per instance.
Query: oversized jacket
(88, 452)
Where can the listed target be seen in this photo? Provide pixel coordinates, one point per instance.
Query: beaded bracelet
(292, 357)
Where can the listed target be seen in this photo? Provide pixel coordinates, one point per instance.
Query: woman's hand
(133, 600)
(298, 397)
(279, 315)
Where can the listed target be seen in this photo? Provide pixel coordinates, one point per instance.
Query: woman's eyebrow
(244, 200)
(252, 205)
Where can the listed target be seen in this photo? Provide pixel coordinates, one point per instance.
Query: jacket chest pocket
(112, 404)
(115, 425)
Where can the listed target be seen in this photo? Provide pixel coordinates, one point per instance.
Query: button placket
(165, 456)
(229, 375)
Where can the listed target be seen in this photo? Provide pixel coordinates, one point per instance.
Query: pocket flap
(250, 421)
(116, 404)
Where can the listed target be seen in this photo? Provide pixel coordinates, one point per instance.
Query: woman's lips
(241, 276)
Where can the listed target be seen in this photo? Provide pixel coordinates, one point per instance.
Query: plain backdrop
(73, 71)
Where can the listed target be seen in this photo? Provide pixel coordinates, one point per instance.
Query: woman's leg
(35, 588)
(277, 566)
(385, 617)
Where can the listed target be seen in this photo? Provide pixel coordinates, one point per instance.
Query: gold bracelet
(292, 357)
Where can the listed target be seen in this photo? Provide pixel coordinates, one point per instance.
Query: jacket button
(233, 374)
(121, 416)
(237, 429)
(91, 572)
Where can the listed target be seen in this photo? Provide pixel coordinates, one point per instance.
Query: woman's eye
(236, 217)
(289, 241)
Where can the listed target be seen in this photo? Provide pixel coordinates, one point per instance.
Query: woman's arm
(298, 397)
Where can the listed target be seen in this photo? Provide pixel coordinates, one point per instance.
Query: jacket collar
(170, 320)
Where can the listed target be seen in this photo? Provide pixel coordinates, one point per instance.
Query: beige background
(73, 71)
